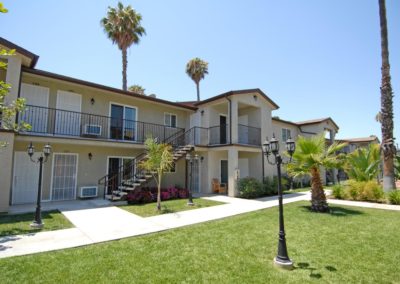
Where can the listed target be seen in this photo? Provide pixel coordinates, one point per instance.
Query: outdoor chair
(218, 187)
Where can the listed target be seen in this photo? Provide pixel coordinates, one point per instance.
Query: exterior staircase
(130, 176)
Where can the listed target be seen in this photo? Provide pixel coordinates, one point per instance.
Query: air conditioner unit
(92, 129)
(88, 191)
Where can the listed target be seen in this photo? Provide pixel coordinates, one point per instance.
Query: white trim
(118, 157)
(176, 119)
(52, 173)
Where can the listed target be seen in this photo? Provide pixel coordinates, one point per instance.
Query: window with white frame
(285, 134)
(170, 119)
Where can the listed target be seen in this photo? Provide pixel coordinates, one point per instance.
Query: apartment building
(97, 134)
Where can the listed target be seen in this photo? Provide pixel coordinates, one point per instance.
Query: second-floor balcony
(62, 123)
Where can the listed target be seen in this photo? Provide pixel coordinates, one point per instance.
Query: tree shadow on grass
(337, 211)
(19, 223)
(306, 266)
(312, 270)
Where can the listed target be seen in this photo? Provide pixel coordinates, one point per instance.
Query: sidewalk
(112, 223)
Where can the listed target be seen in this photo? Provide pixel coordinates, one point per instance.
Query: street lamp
(37, 223)
(282, 259)
(190, 158)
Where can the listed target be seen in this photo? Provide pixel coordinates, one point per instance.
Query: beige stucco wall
(6, 168)
(90, 171)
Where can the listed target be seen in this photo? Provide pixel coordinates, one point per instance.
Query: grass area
(168, 206)
(350, 245)
(19, 224)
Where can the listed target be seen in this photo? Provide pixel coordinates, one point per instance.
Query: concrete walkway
(111, 223)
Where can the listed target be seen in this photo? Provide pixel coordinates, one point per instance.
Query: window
(170, 119)
(285, 134)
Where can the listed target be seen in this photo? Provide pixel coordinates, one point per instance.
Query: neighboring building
(355, 143)
(97, 134)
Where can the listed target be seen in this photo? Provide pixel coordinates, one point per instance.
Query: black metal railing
(69, 123)
(249, 135)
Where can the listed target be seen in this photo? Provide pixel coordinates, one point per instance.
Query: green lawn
(19, 224)
(168, 206)
(351, 245)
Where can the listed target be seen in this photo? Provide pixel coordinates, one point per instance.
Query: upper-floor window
(285, 134)
(170, 119)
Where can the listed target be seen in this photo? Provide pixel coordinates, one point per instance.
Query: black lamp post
(37, 223)
(282, 259)
(190, 158)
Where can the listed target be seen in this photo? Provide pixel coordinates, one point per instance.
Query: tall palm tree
(311, 154)
(197, 69)
(122, 26)
(386, 105)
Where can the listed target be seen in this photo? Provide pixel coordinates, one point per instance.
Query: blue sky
(313, 58)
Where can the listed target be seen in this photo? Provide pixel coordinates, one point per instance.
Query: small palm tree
(386, 118)
(122, 26)
(137, 89)
(311, 154)
(196, 70)
(159, 160)
(363, 164)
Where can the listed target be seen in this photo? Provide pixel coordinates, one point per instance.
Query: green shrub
(250, 188)
(363, 191)
(353, 189)
(338, 191)
(394, 197)
(372, 191)
(270, 186)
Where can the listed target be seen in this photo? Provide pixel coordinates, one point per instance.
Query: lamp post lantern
(272, 147)
(190, 158)
(37, 223)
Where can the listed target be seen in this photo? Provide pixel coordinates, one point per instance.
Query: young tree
(158, 161)
(137, 89)
(311, 154)
(9, 110)
(363, 164)
(386, 105)
(122, 26)
(196, 70)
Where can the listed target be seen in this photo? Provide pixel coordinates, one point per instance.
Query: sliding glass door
(123, 123)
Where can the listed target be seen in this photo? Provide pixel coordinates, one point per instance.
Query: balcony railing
(217, 135)
(249, 135)
(56, 122)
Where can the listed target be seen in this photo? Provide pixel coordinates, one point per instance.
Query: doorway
(222, 129)
(224, 171)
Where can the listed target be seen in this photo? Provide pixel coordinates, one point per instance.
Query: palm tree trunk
(198, 90)
(124, 67)
(386, 104)
(318, 198)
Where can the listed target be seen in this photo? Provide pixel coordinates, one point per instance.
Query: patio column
(6, 158)
(333, 171)
(234, 120)
(233, 166)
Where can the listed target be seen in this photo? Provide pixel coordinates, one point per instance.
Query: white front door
(68, 116)
(26, 177)
(36, 116)
(65, 169)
